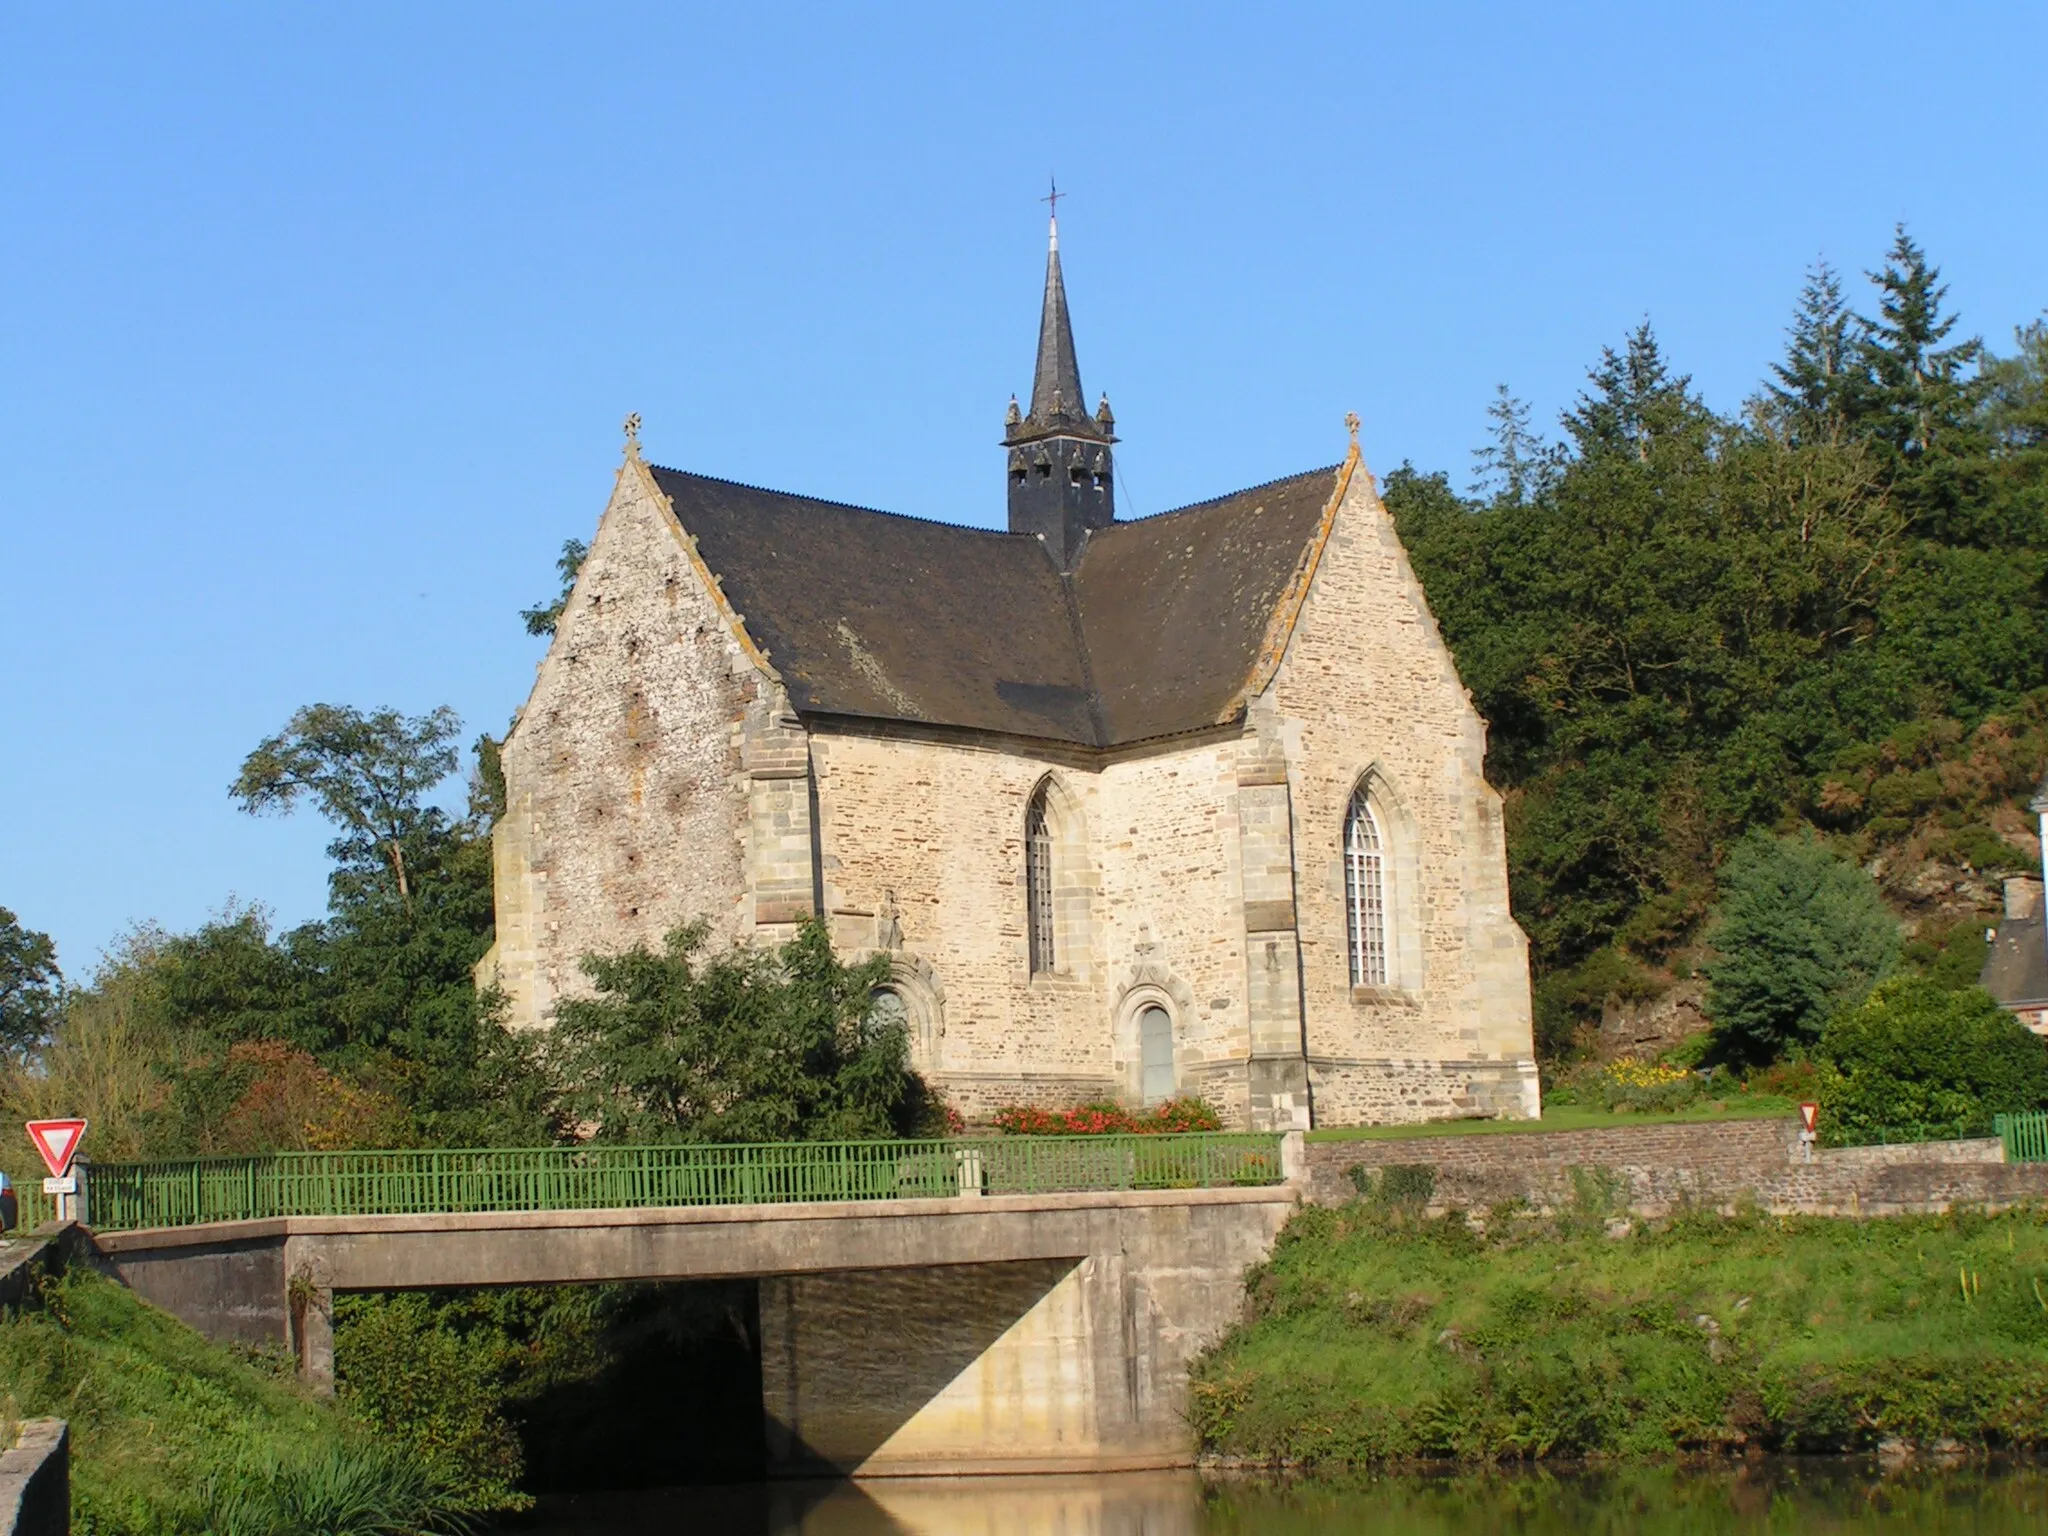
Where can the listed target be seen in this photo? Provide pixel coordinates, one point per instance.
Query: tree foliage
(369, 774)
(1681, 624)
(744, 1045)
(31, 986)
(542, 618)
(1914, 1054)
(1802, 933)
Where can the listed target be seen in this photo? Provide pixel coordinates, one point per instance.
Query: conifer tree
(1917, 392)
(1813, 380)
(1635, 402)
(1511, 467)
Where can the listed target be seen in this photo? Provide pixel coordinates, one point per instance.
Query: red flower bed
(1109, 1120)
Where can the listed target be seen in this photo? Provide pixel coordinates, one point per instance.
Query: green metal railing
(2025, 1137)
(1969, 1128)
(173, 1194)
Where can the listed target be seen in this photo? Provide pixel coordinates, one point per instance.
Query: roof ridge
(840, 506)
(1197, 506)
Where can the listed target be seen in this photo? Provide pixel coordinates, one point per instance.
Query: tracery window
(1365, 893)
(1038, 884)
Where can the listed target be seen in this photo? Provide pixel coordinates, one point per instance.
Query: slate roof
(2016, 970)
(892, 618)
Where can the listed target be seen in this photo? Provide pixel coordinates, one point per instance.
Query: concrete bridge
(1036, 1331)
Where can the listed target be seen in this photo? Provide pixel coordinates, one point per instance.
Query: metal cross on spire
(1054, 196)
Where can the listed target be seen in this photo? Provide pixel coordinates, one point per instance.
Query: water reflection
(1811, 1497)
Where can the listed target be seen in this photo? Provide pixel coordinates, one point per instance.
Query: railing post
(1294, 1160)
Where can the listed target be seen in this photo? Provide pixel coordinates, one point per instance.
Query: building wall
(627, 803)
(1368, 692)
(931, 833)
(656, 776)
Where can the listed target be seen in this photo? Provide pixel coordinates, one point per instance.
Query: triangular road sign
(58, 1141)
(1809, 1116)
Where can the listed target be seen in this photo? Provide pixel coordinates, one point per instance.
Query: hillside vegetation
(1377, 1335)
(173, 1434)
(1826, 609)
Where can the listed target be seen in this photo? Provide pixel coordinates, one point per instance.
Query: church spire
(1060, 463)
(1056, 397)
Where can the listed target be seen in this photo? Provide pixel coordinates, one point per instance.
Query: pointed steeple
(1061, 474)
(1056, 397)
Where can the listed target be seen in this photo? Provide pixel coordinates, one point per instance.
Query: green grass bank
(172, 1434)
(1377, 1335)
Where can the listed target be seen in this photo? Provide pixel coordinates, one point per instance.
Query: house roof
(1156, 633)
(2016, 970)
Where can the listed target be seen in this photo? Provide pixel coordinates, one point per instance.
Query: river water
(1809, 1497)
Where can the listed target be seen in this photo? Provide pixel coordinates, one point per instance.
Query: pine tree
(1511, 468)
(1635, 403)
(1813, 379)
(1917, 392)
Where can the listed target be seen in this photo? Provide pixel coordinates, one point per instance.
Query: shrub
(1802, 933)
(1914, 1054)
(433, 1391)
(1109, 1119)
(1627, 1084)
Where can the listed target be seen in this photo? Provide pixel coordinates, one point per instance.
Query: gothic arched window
(1156, 1076)
(1365, 893)
(1038, 883)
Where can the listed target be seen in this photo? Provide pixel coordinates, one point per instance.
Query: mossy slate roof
(868, 614)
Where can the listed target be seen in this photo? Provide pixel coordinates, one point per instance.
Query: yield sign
(1809, 1116)
(58, 1141)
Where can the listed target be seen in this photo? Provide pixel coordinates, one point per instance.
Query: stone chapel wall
(932, 833)
(627, 809)
(1368, 692)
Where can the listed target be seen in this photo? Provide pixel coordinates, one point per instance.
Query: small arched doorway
(1156, 1076)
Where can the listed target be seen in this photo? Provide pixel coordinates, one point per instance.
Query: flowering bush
(1633, 1084)
(1107, 1119)
(1630, 1084)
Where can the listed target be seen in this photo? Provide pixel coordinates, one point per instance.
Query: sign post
(57, 1141)
(1809, 1126)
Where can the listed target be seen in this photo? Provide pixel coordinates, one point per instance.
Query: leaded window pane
(1365, 907)
(1038, 884)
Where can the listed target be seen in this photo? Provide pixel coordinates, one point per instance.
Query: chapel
(1185, 805)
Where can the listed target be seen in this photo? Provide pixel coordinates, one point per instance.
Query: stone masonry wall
(1721, 1165)
(657, 776)
(1147, 895)
(1368, 694)
(628, 807)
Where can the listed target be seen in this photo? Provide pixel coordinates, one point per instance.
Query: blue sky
(317, 323)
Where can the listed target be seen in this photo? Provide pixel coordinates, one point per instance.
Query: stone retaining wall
(1652, 1169)
(35, 1481)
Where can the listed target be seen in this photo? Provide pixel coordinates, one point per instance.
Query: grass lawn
(1568, 1118)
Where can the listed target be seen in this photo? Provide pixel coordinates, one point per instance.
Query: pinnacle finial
(632, 425)
(1351, 426)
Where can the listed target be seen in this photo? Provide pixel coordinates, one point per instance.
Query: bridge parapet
(597, 1177)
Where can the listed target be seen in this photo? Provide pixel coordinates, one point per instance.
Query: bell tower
(1062, 481)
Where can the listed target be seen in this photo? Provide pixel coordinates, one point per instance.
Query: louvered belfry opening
(1365, 906)
(1038, 884)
